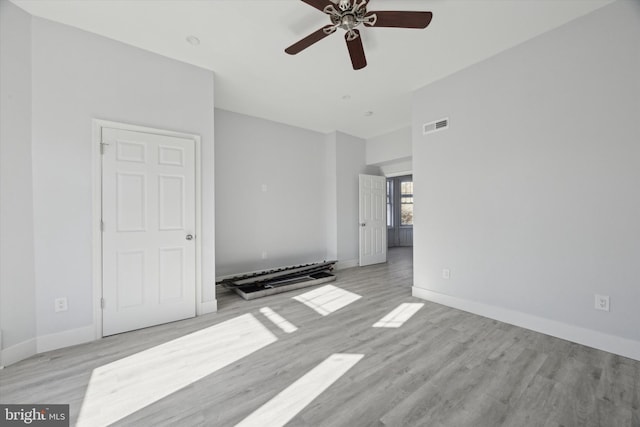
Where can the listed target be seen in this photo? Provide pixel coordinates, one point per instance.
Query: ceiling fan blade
(309, 40)
(319, 4)
(356, 51)
(401, 19)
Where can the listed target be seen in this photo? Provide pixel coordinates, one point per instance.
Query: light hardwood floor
(443, 367)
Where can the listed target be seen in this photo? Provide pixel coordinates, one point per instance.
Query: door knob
(189, 237)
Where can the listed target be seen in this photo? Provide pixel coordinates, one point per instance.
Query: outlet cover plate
(602, 302)
(60, 304)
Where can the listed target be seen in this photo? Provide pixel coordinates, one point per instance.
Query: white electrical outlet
(60, 304)
(446, 273)
(264, 254)
(602, 302)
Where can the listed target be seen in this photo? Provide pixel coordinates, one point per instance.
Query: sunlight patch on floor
(125, 386)
(399, 315)
(290, 401)
(278, 320)
(327, 299)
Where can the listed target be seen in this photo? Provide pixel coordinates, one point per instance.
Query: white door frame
(96, 190)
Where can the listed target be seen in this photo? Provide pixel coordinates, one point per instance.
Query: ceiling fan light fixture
(348, 22)
(350, 14)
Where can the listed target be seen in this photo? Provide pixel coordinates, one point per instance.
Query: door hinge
(103, 147)
(101, 225)
(102, 304)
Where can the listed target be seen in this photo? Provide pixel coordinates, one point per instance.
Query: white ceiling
(243, 42)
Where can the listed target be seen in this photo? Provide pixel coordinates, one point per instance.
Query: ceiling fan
(348, 15)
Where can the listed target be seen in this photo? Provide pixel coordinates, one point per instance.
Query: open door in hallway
(373, 220)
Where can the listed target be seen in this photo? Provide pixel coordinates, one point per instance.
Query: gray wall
(390, 147)
(46, 147)
(17, 281)
(532, 198)
(331, 196)
(78, 76)
(350, 162)
(391, 152)
(309, 211)
(287, 221)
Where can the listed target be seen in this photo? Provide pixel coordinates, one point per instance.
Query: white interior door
(148, 214)
(373, 219)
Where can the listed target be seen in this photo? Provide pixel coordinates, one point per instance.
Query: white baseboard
(341, 265)
(66, 338)
(207, 307)
(610, 343)
(58, 340)
(18, 352)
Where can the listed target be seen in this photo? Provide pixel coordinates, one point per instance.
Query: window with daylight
(406, 203)
(400, 211)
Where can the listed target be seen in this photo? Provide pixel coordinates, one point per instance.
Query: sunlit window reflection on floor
(278, 320)
(399, 315)
(327, 299)
(127, 385)
(293, 399)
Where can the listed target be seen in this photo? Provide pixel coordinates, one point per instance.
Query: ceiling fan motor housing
(347, 21)
(350, 15)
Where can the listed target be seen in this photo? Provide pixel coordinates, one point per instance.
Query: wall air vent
(441, 124)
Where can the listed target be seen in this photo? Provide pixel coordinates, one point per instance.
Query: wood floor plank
(618, 380)
(443, 367)
(535, 406)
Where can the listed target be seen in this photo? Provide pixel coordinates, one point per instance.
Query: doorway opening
(400, 211)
